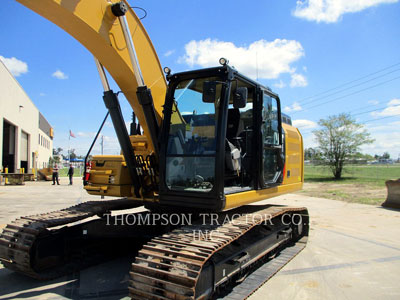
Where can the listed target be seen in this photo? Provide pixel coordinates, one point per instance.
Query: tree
(339, 138)
(385, 155)
(312, 154)
(54, 160)
(72, 154)
(359, 155)
(57, 151)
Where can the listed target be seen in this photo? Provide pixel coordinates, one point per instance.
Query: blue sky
(322, 57)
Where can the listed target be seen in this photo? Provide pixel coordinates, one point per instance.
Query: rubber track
(19, 236)
(168, 267)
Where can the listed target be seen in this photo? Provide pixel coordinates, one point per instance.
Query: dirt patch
(357, 192)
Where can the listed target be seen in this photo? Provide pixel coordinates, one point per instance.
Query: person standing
(70, 174)
(55, 175)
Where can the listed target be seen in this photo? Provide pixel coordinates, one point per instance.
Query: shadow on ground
(389, 208)
(106, 281)
(328, 179)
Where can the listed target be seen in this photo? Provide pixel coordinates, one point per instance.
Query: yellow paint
(104, 172)
(93, 24)
(6, 179)
(96, 188)
(176, 117)
(294, 155)
(243, 198)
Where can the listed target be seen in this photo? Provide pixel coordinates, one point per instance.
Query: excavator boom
(95, 26)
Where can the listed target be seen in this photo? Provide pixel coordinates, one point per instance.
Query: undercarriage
(228, 254)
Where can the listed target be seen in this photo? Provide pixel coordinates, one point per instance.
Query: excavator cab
(221, 135)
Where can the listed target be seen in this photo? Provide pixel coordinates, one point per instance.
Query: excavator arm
(96, 27)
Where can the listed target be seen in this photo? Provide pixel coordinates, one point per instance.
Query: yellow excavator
(207, 144)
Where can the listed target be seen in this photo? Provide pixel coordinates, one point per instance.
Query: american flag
(71, 134)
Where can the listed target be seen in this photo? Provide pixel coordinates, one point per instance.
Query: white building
(26, 138)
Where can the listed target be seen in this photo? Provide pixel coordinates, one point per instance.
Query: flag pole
(69, 146)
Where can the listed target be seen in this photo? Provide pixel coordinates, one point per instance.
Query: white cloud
(393, 109)
(304, 124)
(267, 59)
(397, 123)
(298, 80)
(109, 124)
(394, 102)
(83, 141)
(15, 66)
(59, 75)
(387, 138)
(388, 141)
(382, 128)
(309, 140)
(42, 94)
(330, 11)
(294, 107)
(169, 53)
(373, 102)
(280, 84)
(111, 139)
(86, 134)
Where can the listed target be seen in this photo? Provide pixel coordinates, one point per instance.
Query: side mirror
(209, 91)
(240, 97)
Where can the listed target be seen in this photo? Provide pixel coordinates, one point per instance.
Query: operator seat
(233, 128)
(233, 156)
(232, 145)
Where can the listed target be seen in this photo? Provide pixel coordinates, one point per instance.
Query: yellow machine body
(109, 177)
(94, 25)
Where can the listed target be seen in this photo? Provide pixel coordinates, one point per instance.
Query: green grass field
(63, 172)
(360, 183)
(374, 175)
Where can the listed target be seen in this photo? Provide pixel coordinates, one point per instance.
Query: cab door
(271, 139)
